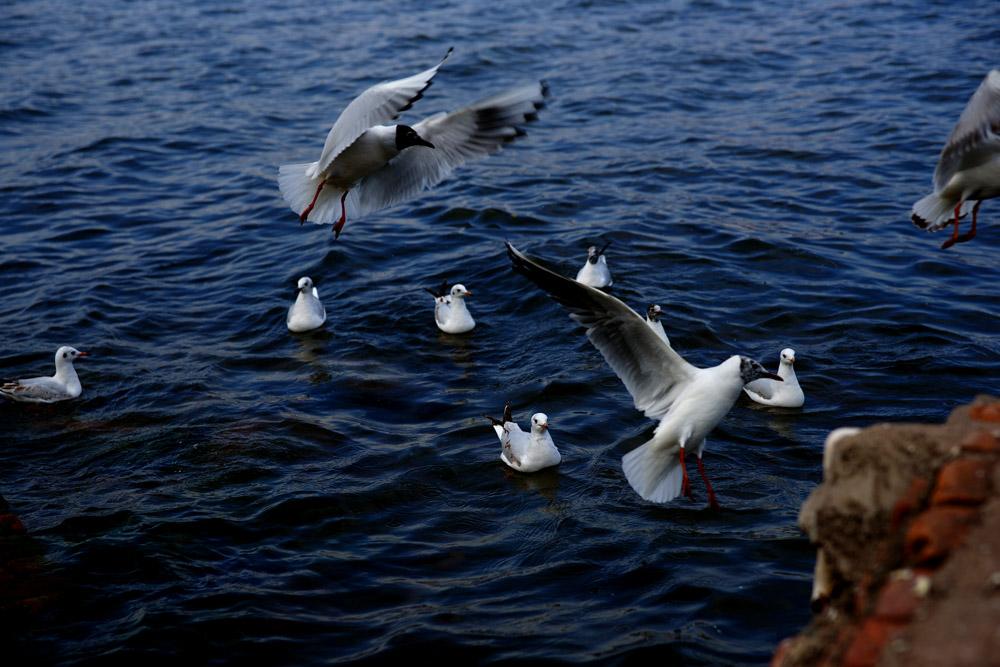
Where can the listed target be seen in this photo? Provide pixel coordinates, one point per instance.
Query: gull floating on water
(653, 320)
(450, 312)
(521, 451)
(687, 401)
(62, 386)
(786, 394)
(596, 272)
(307, 313)
(969, 167)
(367, 166)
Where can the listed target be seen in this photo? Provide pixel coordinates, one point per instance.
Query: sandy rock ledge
(907, 530)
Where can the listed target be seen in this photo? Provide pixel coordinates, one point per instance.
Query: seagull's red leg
(972, 232)
(686, 487)
(711, 494)
(343, 217)
(305, 214)
(955, 236)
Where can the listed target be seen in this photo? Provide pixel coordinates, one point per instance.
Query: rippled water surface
(225, 492)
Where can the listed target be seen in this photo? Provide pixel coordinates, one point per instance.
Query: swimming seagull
(450, 312)
(367, 166)
(653, 320)
(62, 386)
(787, 394)
(521, 451)
(969, 166)
(596, 272)
(688, 401)
(307, 313)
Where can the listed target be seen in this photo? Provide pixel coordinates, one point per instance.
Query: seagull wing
(43, 389)
(472, 132)
(652, 372)
(378, 105)
(976, 136)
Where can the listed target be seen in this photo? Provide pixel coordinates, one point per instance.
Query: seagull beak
(83, 354)
(545, 426)
(468, 293)
(423, 142)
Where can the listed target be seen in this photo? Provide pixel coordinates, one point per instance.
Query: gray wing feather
(976, 136)
(653, 373)
(469, 133)
(378, 105)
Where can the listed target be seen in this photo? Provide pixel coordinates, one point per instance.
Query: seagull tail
(654, 476)
(932, 213)
(299, 189)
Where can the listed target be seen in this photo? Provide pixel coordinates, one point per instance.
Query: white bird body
(595, 271)
(526, 452)
(687, 401)
(64, 385)
(785, 394)
(365, 167)
(653, 320)
(969, 166)
(307, 312)
(450, 312)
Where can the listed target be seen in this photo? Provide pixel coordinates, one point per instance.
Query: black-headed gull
(450, 312)
(62, 386)
(522, 451)
(969, 167)
(653, 313)
(595, 271)
(786, 394)
(688, 401)
(307, 313)
(365, 165)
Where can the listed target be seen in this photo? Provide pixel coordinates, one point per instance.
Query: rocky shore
(907, 530)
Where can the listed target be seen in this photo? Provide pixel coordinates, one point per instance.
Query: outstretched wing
(976, 136)
(652, 372)
(469, 133)
(379, 104)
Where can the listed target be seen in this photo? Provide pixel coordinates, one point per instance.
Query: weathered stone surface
(907, 527)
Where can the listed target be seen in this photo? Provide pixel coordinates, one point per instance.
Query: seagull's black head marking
(406, 136)
(653, 312)
(751, 370)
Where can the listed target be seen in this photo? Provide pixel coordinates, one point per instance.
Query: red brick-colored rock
(982, 442)
(869, 641)
(934, 533)
(897, 601)
(11, 525)
(989, 413)
(963, 482)
(911, 502)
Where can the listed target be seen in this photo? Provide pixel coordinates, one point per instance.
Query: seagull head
(67, 354)
(406, 136)
(788, 355)
(459, 291)
(751, 370)
(305, 284)
(594, 253)
(653, 312)
(539, 422)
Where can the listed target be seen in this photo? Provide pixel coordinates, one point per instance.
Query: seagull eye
(65, 354)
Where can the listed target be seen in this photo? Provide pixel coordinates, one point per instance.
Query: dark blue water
(225, 492)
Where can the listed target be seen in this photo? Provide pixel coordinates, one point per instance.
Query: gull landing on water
(596, 272)
(450, 312)
(521, 451)
(969, 167)
(687, 401)
(786, 394)
(62, 386)
(307, 313)
(367, 166)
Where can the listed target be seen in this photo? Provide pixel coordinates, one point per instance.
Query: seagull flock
(367, 165)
